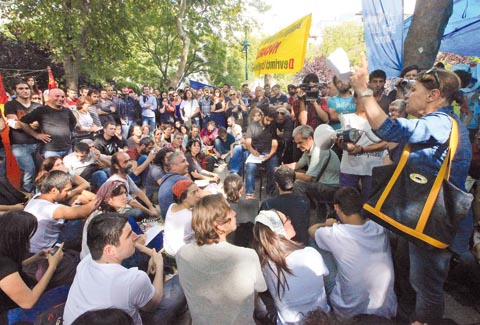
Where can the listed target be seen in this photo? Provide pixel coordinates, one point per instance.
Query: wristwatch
(366, 93)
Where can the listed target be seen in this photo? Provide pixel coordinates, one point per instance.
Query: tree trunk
(186, 46)
(72, 70)
(426, 30)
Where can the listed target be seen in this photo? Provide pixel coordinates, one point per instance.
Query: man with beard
(343, 103)
(128, 111)
(121, 166)
(92, 99)
(376, 81)
(142, 155)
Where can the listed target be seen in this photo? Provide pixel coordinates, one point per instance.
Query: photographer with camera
(342, 103)
(312, 110)
(406, 80)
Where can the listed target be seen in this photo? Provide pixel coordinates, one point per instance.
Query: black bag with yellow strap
(426, 209)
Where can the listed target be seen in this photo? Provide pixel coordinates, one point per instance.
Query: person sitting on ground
(55, 224)
(56, 163)
(193, 134)
(155, 173)
(101, 282)
(142, 155)
(234, 129)
(294, 273)
(361, 248)
(178, 222)
(177, 169)
(194, 163)
(222, 146)
(245, 210)
(296, 207)
(176, 143)
(16, 289)
(121, 168)
(209, 133)
(136, 136)
(210, 300)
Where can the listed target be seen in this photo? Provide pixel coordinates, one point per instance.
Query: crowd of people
(97, 166)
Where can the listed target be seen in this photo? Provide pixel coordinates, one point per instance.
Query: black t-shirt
(18, 136)
(7, 267)
(261, 137)
(297, 208)
(108, 147)
(58, 123)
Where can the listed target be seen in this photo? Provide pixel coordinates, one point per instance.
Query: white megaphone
(324, 136)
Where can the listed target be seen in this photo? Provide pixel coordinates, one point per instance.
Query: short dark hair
(349, 200)
(92, 91)
(409, 68)
(81, 147)
(188, 147)
(55, 179)
(104, 229)
(104, 317)
(160, 156)
(107, 123)
(377, 74)
(311, 77)
(146, 141)
(284, 177)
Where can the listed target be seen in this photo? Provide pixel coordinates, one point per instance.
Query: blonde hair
(207, 211)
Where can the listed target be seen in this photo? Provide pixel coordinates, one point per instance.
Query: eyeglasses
(232, 94)
(434, 73)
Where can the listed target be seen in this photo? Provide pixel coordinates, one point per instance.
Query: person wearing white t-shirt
(178, 222)
(102, 282)
(359, 158)
(361, 248)
(294, 273)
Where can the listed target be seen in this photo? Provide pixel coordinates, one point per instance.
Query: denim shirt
(428, 137)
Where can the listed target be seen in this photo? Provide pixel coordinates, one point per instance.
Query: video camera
(312, 91)
(325, 136)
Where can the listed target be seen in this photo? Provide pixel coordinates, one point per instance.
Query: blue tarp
(198, 85)
(462, 34)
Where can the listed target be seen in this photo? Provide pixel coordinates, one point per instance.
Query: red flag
(3, 94)
(51, 80)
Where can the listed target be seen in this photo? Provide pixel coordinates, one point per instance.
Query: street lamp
(246, 44)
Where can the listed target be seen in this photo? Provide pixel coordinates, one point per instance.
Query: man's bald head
(56, 98)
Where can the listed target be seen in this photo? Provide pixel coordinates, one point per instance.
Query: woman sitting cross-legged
(294, 273)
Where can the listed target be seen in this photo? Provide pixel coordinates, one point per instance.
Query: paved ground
(462, 302)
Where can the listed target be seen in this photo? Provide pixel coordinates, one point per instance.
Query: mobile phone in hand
(55, 248)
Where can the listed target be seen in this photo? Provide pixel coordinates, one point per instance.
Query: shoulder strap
(165, 177)
(325, 164)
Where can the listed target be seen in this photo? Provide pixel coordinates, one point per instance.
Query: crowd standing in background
(100, 167)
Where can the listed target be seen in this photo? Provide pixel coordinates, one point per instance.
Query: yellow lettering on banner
(285, 51)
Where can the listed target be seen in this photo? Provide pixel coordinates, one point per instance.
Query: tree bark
(426, 30)
(72, 70)
(176, 80)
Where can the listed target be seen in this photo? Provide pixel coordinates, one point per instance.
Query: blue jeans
(238, 157)
(100, 177)
(3, 163)
(250, 174)
(352, 181)
(26, 156)
(220, 147)
(126, 128)
(172, 303)
(150, 121)
(61, 154)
